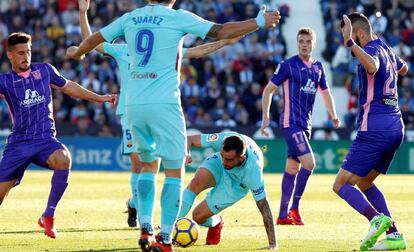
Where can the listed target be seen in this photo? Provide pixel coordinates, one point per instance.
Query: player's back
(154, 34)
(378, 100)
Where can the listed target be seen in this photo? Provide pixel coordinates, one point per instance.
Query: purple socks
(301, 180)
(377, 200)
(356, 199)
(59, 184)
(288, 182)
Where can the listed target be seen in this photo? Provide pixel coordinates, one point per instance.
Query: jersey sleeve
(373, 52)
(323, 83)
(281, 74)
(400, 62)
(256, 184)
(191, 23)
(55, 77)
(215, 140)
(114, 29)
(113, 50)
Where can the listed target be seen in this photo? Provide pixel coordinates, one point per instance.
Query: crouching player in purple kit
(301, 77)
(26, 90)
(380, 132)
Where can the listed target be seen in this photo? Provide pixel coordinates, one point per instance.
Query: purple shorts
(297, 141)
(372, 150)
(18, 155)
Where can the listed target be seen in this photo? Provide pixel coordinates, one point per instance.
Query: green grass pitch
(90, 216)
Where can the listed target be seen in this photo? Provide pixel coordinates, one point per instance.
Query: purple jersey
(300, 81)
(378, 99)
(30, 101)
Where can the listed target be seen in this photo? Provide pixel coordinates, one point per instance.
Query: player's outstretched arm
(235, 29)
(205, 49)
(75, 90)
(266, 101)
(404, 70)
(87, 45)
(264, 208)
(330, 106)
(84, 23)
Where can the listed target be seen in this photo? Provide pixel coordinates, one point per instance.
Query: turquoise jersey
(120, 53)
(249, 175)
(154, 35)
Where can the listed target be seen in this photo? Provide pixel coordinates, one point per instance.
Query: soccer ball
(185, 232)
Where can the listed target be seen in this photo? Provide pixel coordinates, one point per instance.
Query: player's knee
(63, 163)
(336, 187)
(364, 185)
(310, 165)
(194, 186)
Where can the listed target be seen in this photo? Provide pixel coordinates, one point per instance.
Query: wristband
(260, 20)
(349, 43)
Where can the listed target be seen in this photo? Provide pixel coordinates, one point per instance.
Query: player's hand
(271, 18)
(272, 247)
(264, 129)
(347, 29)
(336, 122)
(71, 53)
(111, 98)
(83, 5)
(188, 159)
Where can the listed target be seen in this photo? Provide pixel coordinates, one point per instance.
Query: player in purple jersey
(26, 90)
(301, 77)
(380, 131)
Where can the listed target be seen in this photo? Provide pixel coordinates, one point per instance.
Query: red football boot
(285, 221)
(146, 240)
(46, 222)
(160, 246)
(295, 216)
(214, 233)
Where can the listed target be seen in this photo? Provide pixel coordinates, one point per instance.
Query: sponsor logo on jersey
(32, 98)
(146, 75)
(212, 137)
(309, 88)
(37, 75)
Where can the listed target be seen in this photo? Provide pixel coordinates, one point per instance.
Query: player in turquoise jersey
(235, 168)
(120, 53)
(154, 34)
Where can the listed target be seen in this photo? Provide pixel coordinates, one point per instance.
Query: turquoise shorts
(128, 145)
(159, 131)
(227, 191)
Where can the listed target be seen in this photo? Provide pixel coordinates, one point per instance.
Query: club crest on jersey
(37, 75)
(212, 138)
(309, 88)
(31, 98)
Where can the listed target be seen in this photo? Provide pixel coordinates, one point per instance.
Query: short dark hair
(163, 1)
(359, 20)
(18, 38)
(308, 31)
(235, 143)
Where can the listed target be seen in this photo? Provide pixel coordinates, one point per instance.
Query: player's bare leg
(394, 239)
(5, 188)
(202, 180)
(60, 161)
(205, 217)
(344, 187)
(307, 163)
(288, 183)
(133, 202)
